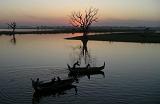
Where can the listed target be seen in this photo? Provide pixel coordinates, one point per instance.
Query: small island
(138, 37)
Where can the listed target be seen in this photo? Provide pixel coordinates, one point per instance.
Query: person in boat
(75, 64)
(53, 80)
(37, 81)
(88, 66)
(58, 79)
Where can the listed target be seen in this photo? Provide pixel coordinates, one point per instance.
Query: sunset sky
(56, 12)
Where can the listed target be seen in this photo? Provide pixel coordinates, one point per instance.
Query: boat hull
(86, 70)
(53, 86)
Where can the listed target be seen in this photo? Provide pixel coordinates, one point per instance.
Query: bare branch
(84, 20)
(12, 25)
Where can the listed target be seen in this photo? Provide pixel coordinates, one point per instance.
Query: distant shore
(78, 30)
(101, 34)
(124, 37)
(36, 32)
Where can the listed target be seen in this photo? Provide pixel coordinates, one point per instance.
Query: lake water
(24, 29)
(132, 71)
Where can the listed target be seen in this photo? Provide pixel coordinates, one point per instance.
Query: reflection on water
(75, 75)
(81, 54)
(37, 96)
(132, 70)
(58, 87)
(13, 40)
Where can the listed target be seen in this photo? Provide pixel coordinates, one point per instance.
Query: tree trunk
(13, 33)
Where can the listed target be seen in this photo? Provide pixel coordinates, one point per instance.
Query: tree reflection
(82, 54)
(13, 40)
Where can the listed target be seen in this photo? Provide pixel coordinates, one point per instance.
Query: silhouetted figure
(53, 80)
(58, 79)
(86, 71)
(75, 64)
(37, 96)
(37, 82)
(88, 66)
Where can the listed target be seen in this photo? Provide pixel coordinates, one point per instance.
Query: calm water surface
(24, 29)
(132, 72)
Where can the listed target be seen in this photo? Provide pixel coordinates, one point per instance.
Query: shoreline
(123, 37)
(35, 32)
(71, 30)
(112, 36)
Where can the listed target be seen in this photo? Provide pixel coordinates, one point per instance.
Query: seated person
(88, 66)
(58, 79)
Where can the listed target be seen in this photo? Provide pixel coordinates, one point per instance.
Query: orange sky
(56, 12)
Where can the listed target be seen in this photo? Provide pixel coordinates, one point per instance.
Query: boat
(52, 86)
(85, 70)
(38, 95)
(89, 74)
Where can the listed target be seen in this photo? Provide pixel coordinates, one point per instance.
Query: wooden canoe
(51, 86)
(85, 70)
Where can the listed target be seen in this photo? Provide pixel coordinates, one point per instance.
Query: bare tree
(84, 20)
(12, 25)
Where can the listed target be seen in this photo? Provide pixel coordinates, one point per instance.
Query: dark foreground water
(132, 72)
